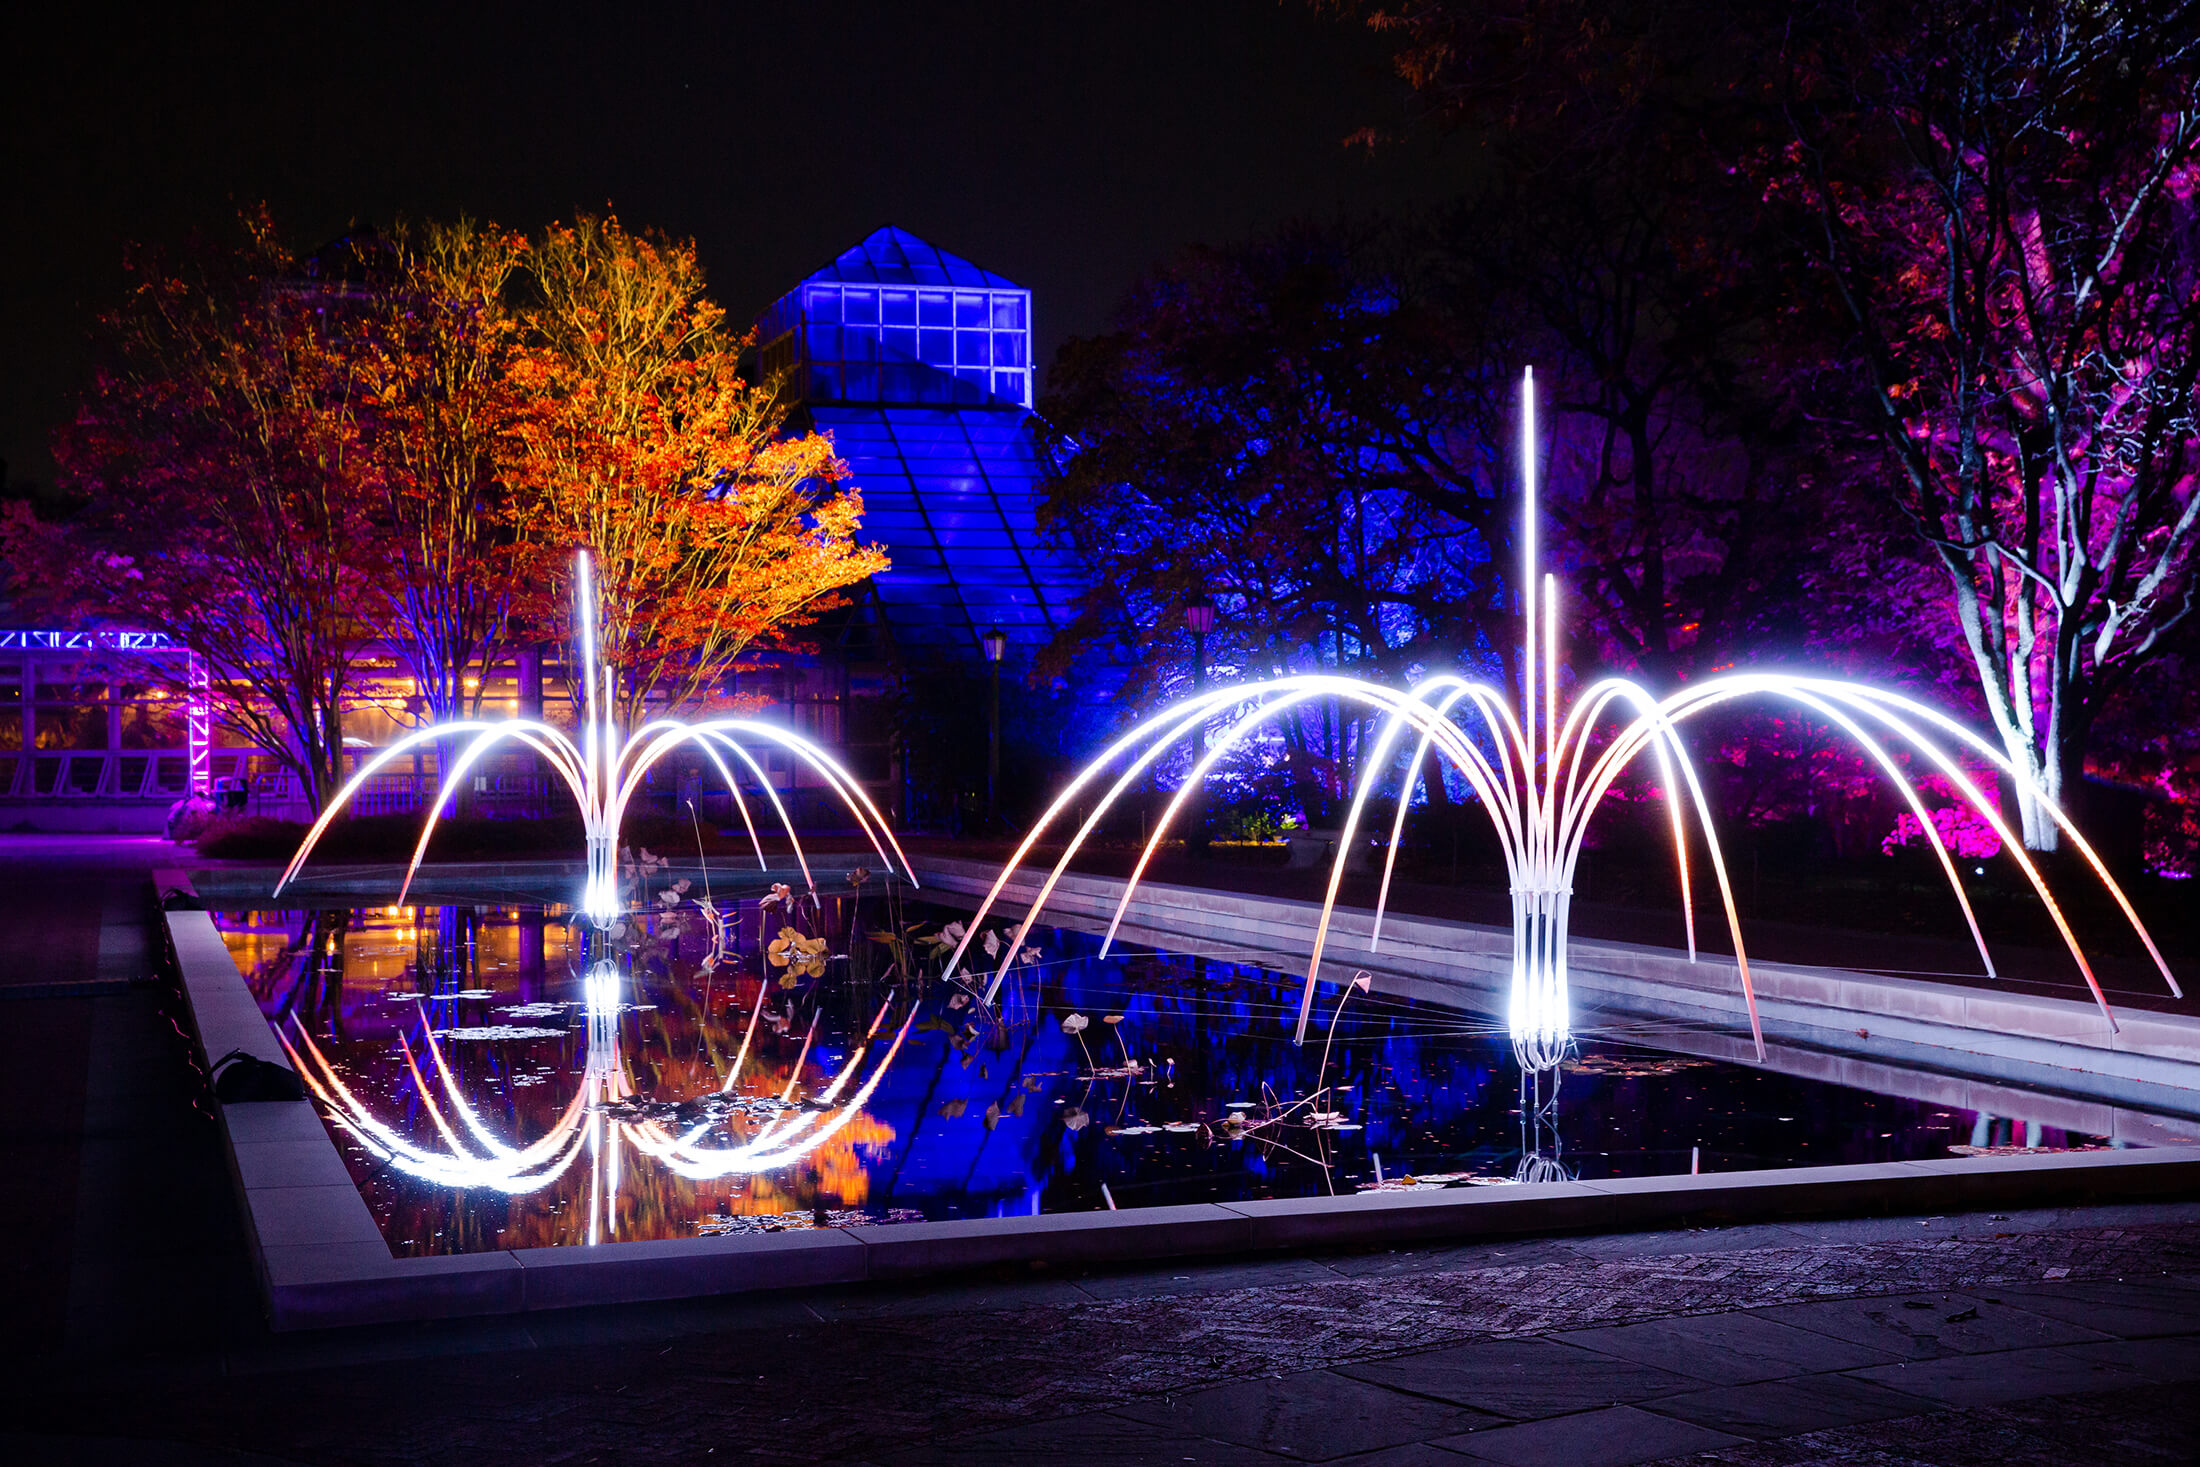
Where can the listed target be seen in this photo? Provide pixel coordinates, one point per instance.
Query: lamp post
(1199, 620)
(996, 647)
(416, 708)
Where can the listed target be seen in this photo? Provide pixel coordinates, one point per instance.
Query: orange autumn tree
(436, 358)
(642, 442)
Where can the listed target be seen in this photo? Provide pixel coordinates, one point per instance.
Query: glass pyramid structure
(918, 363)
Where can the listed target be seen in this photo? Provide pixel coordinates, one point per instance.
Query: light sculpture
(1540, 777)
(604, 770)
(781, 1130)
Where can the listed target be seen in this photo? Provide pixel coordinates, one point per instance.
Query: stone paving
(1584, 1350)
(2031, 1337)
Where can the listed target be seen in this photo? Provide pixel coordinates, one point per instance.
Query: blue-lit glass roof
(918, 363)
(895, 320)
(896, 257)
(951, 494)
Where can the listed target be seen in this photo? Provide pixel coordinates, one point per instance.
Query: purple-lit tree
(1964, 238)
(223, 484)
(2001, 198)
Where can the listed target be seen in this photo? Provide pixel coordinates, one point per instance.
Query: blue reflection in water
(1182, 1085)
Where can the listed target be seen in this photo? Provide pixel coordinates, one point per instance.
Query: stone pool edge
(321, 1261)
(1987, 1034)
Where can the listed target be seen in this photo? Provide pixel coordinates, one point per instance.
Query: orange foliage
(642, 442)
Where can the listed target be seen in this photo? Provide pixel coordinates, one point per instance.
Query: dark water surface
(481, 1106)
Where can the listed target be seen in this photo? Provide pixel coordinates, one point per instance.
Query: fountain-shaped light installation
(1540, 777)
(605, 771)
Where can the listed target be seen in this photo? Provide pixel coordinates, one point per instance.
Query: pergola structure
(102, 736)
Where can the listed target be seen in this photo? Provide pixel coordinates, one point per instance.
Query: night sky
(1070, 146)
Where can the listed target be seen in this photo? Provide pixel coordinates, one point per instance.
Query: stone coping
(322, 1262)
(2015, 1037)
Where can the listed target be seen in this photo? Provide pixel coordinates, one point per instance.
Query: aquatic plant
(1541, 775)
(605, 769)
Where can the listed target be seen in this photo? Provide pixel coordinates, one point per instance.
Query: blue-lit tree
(1295, 430)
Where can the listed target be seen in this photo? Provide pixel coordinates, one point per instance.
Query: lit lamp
(1199, 620)
(995, 642)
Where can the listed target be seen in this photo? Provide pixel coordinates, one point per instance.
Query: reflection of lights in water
(1434, 1097)
(605, 770)
(1540, 1148)
(472, 1155)
(1540, 779)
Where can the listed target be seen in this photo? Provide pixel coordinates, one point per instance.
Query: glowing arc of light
(1542, 792)
(604, 772)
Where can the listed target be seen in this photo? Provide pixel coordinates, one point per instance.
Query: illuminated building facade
(100, 731)
(920, 365)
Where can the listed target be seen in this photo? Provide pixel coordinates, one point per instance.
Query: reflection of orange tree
(615, 1124)
(837, 1175)
(657, 1204)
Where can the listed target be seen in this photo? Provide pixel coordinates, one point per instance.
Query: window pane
(972, 349)
(969, 308)
(936, 348)
(935, 308)
(1008, 349)
(1009, 386)
(897, 343)
(73, 728)
(59, 685)
(825, 379)
(825, 343)
(823, 303)
(861, 308)
(858, 343)
(1008, 313)
(153, 726)
(862, 383)
(898, 307)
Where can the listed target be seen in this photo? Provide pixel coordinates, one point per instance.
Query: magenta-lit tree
(221, 485)
(2000, 198)
(1967, 251)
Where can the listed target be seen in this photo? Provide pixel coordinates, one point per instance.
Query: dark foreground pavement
(2035, 1337)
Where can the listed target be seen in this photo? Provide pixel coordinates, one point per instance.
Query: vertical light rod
(198, 725)
(1528, 559)
(1550, 675)
(585, 611)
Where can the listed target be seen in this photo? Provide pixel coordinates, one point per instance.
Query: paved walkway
(2035, 1337)
(114, 1204)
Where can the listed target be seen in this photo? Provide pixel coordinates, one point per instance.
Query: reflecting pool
(498, 1076)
